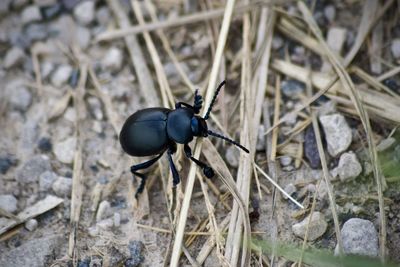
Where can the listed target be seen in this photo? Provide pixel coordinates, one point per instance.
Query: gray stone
(46, 180)
(136, 250)
(83, 37)
(104, 210)
(36, 31)
(232, 155)
(290, 189)
(103, 16)
(32, 169)
(84, 12)
(316, 227)
(112, 60)
(20, 98)
(8, 203)
(61, 75)
(117, 219)
(330, 13)
(14, 57)
(292, 88)
(31, 225)
(337, 133)
(4, 6)
(18, 4)
(46, 68)
(285, 160)
(359, 237)
(37, 252)
(64, 29)
(30, 14)
(65, 150)
(396, 48)
(349, 167)
(95, 107)
(62, 186)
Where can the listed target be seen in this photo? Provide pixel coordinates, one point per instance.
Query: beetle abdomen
(144, 132)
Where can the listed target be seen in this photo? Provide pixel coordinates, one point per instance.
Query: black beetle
(152, 131)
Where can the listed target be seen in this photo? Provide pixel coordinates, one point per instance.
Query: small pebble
(62, 186)
(83, 37)
(261, 138)
(51, 11)
(105, 224)
(337, 133)
(95, 107)
(112, 60)
(103, 16)
(104, 211)
(14, 57)
(84, 12)
(232, 156)
(31, 225)
(30, 14)
(8, 203)
(45, 144)
(292, 88)
(61, 75)
(277, 42)
(70, 4)
(136, 251)
(330, 13)
(316, 228)
(65, 150)
(396, 48)
(20, 98)
(96, 262)
(36, 32)
(285, 160)
(30, 171)
(290, 189)
(117, 219)
(6, 162)
(46, 68)
(46, 180)
(349, 167)
(93, 231)
(359, 237)
(311, 148)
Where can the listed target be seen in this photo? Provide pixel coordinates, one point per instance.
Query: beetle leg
(198, 103)
(208, 172)
(175, 174)
(143, 177)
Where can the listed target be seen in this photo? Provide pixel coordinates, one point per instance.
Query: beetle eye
(194, 124)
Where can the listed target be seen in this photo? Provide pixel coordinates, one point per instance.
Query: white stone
(286, 160)
(61, 75)
(31, 225)
(112, 60)
(30, 14)
(84, 12)
(83, 37)
(349, 167)
(117, 219)
(330, 13)
(62, 186)
(359, 237)
(337, 132)
(14, 57)
(65, 150)
(8, 203)
(106, 224)
(316, 227)
(104, 211)
(20, 98)
(396, 48)
(46, 68)
(46, 180)
(290, 189)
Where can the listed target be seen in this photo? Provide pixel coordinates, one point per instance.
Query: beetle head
(199, 126)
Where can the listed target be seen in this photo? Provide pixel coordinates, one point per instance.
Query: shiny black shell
(145, 132)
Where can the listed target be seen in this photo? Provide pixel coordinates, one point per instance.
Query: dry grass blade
(139, 63)
(77, 178)
(188, 19)
(349, 86)
(191, 177)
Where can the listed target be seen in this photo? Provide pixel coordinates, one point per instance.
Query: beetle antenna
(228, 140)
(213, 100)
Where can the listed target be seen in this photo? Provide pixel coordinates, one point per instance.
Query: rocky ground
(66, 194)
